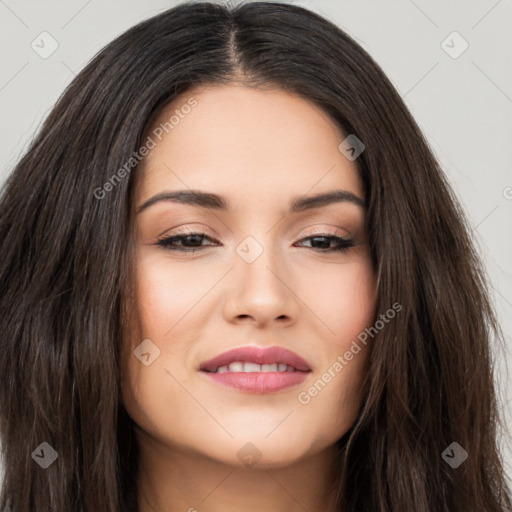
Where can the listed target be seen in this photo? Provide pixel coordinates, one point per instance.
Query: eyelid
(187, 230)
(343, 233)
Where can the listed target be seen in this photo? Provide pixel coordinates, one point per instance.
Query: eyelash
(167, 243)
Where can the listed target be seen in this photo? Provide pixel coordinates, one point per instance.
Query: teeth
(252, 367)
(239, 366)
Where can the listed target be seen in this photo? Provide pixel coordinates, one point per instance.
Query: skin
(258, 149)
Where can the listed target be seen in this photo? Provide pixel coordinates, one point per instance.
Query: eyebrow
(216, 202)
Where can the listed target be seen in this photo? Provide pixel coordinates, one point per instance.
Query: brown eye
(323, 243)
(189, 242)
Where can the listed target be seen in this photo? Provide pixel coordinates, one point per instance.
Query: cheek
(344, 299)
(157, 309)
(167, 295)
(166, 292)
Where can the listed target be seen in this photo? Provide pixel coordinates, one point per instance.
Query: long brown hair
(66, 272)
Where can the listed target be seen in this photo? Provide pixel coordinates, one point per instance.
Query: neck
(174, 479)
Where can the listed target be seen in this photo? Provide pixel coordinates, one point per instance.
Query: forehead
(252, 141)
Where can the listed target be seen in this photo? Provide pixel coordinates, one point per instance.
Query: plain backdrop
(449, 60)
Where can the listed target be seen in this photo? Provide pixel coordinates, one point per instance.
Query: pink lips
(257, 382)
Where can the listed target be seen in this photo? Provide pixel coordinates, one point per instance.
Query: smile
(257, 370)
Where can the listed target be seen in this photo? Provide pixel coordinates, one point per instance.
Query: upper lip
(252, 354)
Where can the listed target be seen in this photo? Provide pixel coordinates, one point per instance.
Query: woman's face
(261, 276)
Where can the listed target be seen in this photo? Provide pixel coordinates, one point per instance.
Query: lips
(257, 356)
(257, 370)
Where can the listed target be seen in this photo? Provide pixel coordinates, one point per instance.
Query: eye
(192, 242)
(324, 245)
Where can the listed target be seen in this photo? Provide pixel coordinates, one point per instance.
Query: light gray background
(463, 104)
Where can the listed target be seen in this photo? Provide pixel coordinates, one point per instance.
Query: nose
(261, 292)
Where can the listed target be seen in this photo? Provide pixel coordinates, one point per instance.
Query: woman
(326, 348)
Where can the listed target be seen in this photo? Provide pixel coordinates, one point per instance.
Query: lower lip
(258, 382)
